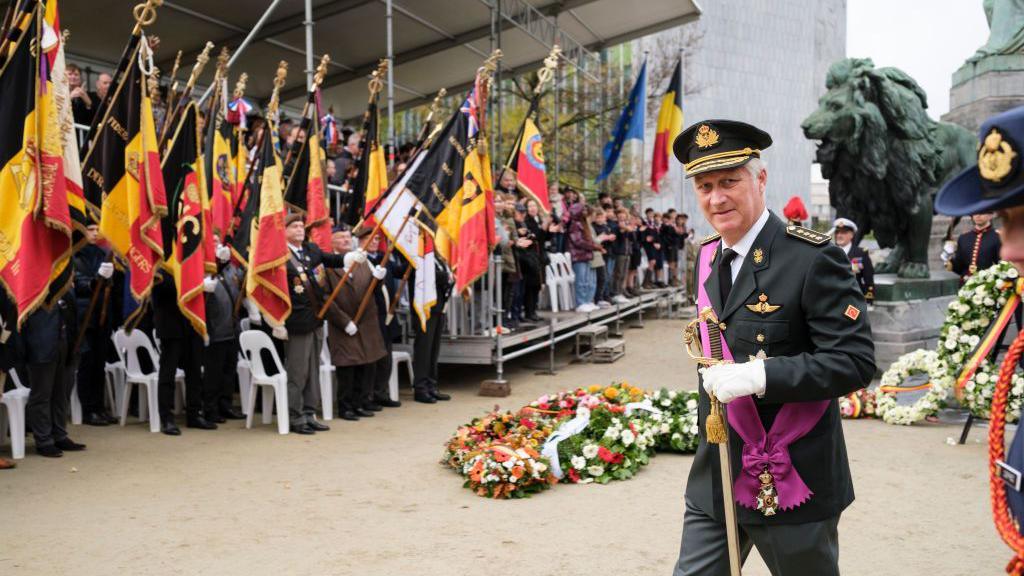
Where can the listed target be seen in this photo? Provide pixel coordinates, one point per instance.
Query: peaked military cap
(718, 144)
(997, 180)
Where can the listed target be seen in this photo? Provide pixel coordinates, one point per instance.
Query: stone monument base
(984, 88)
(907, 314)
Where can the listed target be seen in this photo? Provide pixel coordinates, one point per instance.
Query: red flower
(544, 406)
(609, 456)
(633, 428)
(574, 476)
(581, 392)
(528, 423)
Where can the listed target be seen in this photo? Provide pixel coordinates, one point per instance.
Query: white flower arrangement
(917, 362)
(977, 304)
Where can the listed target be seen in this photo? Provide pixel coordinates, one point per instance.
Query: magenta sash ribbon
(761, 449)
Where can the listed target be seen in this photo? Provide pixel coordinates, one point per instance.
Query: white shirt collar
(743, 246)
(294, 248)
(846, 249)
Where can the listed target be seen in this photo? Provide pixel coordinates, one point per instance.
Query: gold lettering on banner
(437, 194)
(117, 128)
(140, 260)
(6, 248)
(132, 165)
(191, 193)
(97, 178)
(446, 169)
(458, 147)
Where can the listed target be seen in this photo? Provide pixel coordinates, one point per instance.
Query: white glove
(209, 284)
(948, 249)
(379, 272)
(254, 313)
(106, 270)
(728, 382)
(351, 329)
(223, 253)
(280, 332)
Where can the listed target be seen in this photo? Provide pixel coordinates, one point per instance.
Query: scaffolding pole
(391, 84)
(245, 43)
(308, 23)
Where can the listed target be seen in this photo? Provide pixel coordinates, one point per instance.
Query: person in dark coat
(385, 292)
(427, 345)
(94, 273)
(180, 347)
(302, 330)
(355, 347)
(976, 249)
(843, 231)
(790, 313)
(220, 357)
(45, 346)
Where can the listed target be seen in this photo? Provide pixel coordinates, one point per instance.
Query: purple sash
(793, 421)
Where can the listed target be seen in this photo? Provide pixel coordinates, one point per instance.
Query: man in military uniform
(843, 231)
(976, 249)
(794, 320)
(303, 331)
(996, 185)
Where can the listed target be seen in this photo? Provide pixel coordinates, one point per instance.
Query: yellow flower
(611, 393)
(594, 388)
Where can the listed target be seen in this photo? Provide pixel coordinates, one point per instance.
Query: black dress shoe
(389, 403)
(50, 451)
(373, 407)
(438, 395)
(69, 445)
(229, 413)
(348, 415)
(201, 423)
(110, 418)
(215, 417)
(305, 430)
(363, 413)
(424, 397)
(95, 419)
(170, 428)
(318, 426)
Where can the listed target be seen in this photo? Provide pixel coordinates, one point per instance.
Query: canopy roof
(437, 43)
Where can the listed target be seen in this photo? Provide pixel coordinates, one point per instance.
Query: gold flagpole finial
(240, 85)
(377, 78)
(145, 14)
(279, 80)
(222, 62)
(435, 106)
(153, 82)
(321, 71)
(545, 74)
(197, 68)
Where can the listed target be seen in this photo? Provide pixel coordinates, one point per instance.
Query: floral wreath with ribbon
(938, 385)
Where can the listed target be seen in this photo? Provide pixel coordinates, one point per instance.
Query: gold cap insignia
(995, 157)
(758, 255)
(706, 137)
(763, 307)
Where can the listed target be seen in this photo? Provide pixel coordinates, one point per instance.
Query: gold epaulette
(710, 238)
(807, 235)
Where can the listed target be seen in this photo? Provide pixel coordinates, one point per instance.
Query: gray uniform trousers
(787, 549)
(303, 367)
(47, 410)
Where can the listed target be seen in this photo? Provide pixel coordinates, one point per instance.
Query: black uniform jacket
(864, 271)
(819, 347)
(305, 305)
(988, 252)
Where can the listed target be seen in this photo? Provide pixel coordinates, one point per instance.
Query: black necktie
(725, 273)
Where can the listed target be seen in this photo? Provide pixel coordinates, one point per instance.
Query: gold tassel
(714, 425)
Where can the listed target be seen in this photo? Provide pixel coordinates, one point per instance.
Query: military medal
(763, 307)
(299, 288)
(767, 498)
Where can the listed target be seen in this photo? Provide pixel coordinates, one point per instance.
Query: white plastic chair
(134, 375)
(244, 373)
(553, 282)
(76, 405)
(397, 357)
(252, 343)
(13, 424)
(326, 380)
(113, 373)
(108, 389)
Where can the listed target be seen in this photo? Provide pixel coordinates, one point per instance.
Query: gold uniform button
(721, 326)
(760, 337)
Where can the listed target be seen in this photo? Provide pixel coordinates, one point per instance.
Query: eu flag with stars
(630, 124)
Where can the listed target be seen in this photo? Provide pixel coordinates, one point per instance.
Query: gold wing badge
(762, 306)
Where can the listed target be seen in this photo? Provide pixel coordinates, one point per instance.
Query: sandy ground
(370, 498)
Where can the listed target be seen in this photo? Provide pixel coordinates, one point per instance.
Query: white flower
(982, 377)
(578, 462)
(950, 344)
(539, 467)
(590, 451)
(672, 394)
(665, 428)
(691, 404)
(595, 471)
(627, 437)
(666, 402)
(612, 433)
(510, 463)
(1012, 273)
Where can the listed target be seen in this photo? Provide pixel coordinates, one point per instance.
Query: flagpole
(376, 281)
(643, 138)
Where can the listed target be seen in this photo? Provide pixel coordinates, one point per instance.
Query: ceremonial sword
(715, 425)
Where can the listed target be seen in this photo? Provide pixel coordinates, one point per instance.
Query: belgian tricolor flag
(35, 224)
(670, 124)
(306, 192)
(267, 279)
(222, 170)
(371, 180)
(186, 226)
(124, 165)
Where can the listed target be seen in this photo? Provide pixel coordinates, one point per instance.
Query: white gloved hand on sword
(728, 382)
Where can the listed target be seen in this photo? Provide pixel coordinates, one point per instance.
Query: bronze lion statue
(885, 158)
